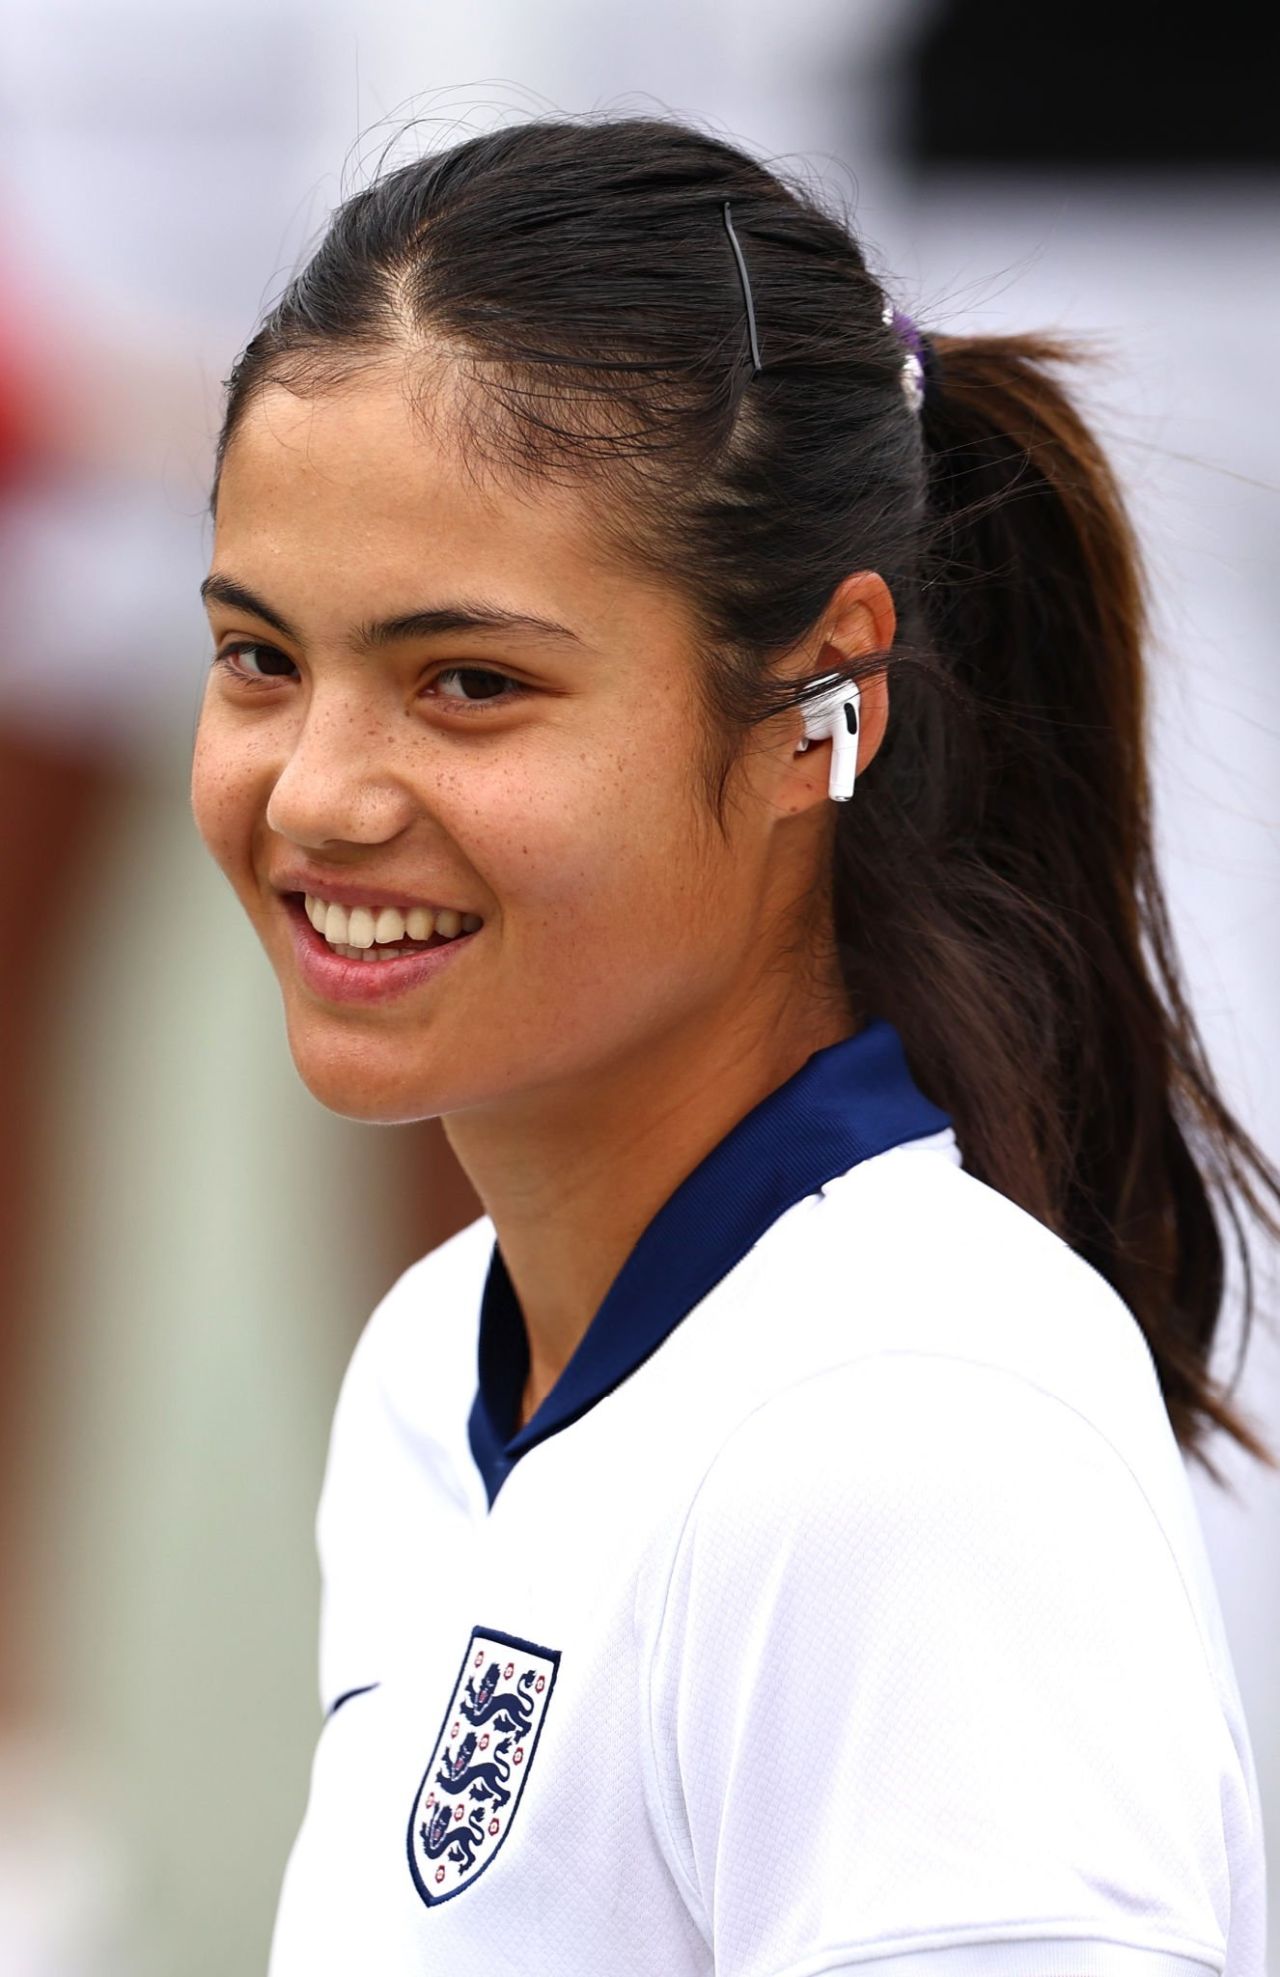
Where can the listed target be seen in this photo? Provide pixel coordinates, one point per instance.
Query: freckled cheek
(231, 780)
(600, 853)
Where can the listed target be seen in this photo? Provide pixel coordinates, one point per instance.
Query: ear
(860, 618)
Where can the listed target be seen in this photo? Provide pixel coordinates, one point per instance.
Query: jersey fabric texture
(844, 1602)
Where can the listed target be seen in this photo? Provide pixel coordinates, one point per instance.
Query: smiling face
(541, 782)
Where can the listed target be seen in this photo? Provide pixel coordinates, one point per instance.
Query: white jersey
(843, 1602)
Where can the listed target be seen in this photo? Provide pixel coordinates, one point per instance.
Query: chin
(358, 1080)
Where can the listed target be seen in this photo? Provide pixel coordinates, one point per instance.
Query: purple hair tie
(915, 362)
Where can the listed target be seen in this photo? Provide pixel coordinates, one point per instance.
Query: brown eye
(255, 662)
(478, 673)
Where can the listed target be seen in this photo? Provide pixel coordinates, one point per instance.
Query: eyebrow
(456, 617)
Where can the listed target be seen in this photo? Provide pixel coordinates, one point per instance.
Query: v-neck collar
(848, 1101)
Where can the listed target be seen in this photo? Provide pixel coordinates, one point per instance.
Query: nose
(338, 785)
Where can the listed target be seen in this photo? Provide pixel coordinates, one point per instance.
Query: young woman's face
(541, 782)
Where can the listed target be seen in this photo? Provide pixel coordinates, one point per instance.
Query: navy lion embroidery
(484, 1702)
(440, 1834)
(473, 1783)
(483, 1781)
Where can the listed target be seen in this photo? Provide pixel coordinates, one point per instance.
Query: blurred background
(190, 1243)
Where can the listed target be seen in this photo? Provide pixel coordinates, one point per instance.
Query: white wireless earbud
(834, 715)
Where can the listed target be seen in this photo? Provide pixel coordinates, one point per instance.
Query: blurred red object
(30, 395)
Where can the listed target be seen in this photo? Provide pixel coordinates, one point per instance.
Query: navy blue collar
(848, 1101)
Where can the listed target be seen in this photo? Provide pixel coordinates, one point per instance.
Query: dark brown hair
(995, 891)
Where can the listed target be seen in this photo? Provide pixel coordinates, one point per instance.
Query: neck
(571, 1176)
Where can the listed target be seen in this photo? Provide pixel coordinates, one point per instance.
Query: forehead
(354, 487)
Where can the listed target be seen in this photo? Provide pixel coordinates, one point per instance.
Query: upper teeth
(359, 926)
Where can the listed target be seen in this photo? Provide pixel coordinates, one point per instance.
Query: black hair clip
(757, 366)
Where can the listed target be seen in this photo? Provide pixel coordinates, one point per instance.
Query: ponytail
(1035, 980)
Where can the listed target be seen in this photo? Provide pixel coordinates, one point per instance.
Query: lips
(337, 977)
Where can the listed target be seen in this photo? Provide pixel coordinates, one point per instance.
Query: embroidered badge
(470, 1790)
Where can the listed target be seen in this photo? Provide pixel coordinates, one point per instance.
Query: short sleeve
(928, 1688)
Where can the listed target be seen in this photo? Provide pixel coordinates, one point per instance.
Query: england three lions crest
(481, 1761)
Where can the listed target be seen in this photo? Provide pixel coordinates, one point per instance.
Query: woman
(758, 1543)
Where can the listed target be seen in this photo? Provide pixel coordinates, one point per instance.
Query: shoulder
(419, 1342)
(407, 1390)
(908, 1255)
(912, 1252)
(937, 1580)
(953, 1585)
(907, 1457)
(951, 1396)
(399, 1426)
(902, 1337)
(397, 1458)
